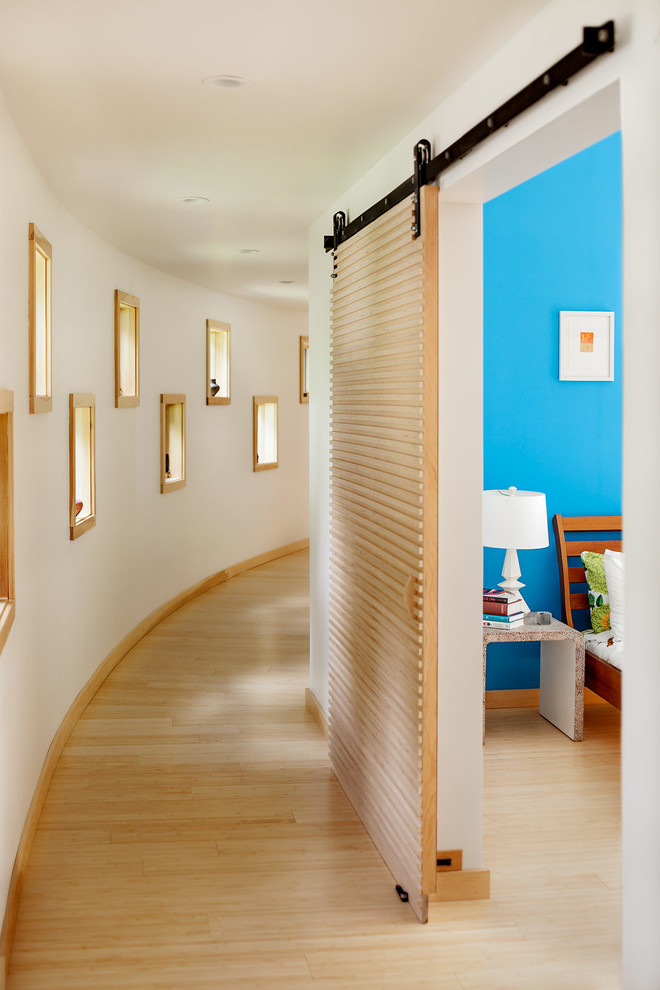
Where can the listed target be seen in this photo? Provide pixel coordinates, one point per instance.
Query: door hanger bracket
(338, 227)
(421, 158)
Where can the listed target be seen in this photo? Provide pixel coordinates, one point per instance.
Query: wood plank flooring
(194, 836)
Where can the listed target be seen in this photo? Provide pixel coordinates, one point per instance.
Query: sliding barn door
(383, 538)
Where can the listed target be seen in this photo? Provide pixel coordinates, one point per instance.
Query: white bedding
(598, 643)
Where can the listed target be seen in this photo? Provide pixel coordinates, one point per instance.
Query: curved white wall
(76, 600)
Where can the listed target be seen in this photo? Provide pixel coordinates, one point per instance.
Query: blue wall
(551, 244)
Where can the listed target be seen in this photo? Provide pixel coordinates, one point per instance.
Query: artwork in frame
(586, 346)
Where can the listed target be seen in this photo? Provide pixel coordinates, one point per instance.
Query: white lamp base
(511, 573)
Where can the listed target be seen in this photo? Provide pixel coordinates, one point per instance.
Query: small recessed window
(264, 432)
(82, 464)
(7, 606)
(172, 442)
(218, 363)
(41, 254)
(127, 350)
(304, 369)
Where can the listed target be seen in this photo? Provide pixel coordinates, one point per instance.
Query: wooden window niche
(172, 442)
(127, 350)
(218, 363)
(41, 255)
(7, 604)
(264, 424)
(82, 463)
(304, 369)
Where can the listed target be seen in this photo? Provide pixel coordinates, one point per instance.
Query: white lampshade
(513, 519)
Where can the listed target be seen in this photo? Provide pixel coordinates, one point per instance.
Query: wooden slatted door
(383, 538)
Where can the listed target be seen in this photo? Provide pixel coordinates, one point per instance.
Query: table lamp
(513, 521)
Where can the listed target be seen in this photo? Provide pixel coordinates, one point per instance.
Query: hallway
(194, 836)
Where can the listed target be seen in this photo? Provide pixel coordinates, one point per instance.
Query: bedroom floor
(194, 836)
(552, 841)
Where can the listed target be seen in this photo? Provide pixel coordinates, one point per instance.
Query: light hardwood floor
(195, 837)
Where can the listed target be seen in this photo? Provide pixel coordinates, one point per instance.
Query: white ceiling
(110, 101)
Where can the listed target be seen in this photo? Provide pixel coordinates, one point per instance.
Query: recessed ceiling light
(194, 199)
(287, 281)
(226, 82)
(249, 251)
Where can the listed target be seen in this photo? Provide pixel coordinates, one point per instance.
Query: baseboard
(462, 885)
(78, 707)
(518, 698)
(529, 698)
(313, 706)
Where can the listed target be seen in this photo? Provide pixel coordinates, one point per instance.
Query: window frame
(39, 245)
(126, 301)
(81, 400)
(214, 327)
(262, 400)
(7, 587)
(168, 399)
(303, 349)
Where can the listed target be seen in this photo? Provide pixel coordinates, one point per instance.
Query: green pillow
(599, 602)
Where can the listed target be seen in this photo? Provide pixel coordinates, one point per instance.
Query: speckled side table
(561, 697)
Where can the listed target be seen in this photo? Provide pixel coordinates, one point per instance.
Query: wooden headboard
(600, 677)
(571, 549)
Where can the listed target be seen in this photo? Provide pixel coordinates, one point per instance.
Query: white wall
(640, 106)
(633, 71)
(76, 600)
(460, 336)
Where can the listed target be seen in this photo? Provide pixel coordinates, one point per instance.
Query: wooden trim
(39, 403)
(168, 399)
(7, 565)
(429, 210)
(129, 302)
(456, 860)
(313, 706)
(260, 400)
(516, 698)
(528, 698)
(303, 346)
(7, 613)
(81, 400)
(217, 400)
(78, 707)
(462, 885)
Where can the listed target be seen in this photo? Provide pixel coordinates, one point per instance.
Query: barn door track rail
(596, 41)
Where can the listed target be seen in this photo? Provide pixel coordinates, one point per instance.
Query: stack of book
(502, 609)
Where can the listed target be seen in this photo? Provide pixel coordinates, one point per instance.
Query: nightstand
(561, 695)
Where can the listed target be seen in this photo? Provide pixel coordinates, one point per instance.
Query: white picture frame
(586, 346)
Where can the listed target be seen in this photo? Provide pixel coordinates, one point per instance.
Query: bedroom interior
(554, 244)
(551, 244)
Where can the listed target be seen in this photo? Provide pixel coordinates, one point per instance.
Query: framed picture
(586, 347)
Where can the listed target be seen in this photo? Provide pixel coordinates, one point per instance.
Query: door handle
(409, 597)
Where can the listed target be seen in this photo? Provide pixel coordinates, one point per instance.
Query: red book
(498, 602)
(502, 608)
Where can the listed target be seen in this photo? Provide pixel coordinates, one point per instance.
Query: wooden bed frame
(600, 676)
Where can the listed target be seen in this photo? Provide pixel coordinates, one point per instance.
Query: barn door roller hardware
(596, 41)
(422, 158)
